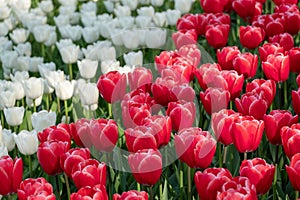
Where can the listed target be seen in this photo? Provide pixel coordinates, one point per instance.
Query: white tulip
(144, 2)
(87, 68)
(109, 5)
(134, 58)
(184, 6)
(157, 3)
(4, 12)
(34, 62)
(160, 19)
(19, 35)
(107, 53)
(122, 11)
(105, 27)
(33, 87)
(19, 76)
(89, 95)
(54, 77)
(46, 6)
(5, 44)
(47, 88)
(132, 4)
(45, 67)
(8, 139)
(71, 32)
(52, 39)
(3, 151)
(126, 69)
(37, 11)
(42, 32)
(89, 7)
(156, 38)
(130, 39)
(143, 21)
(69, 53)
(173, 16)
(68, 3)
(74, 18)
(88, 19)
(11, 22)
(9, 59)
(7, 99)
(18, 89)
(31, 21)
(116, 36)
(27, 142)
(126, 22)
(142, 35)
(90, 34)
(21, 4)
(37, 101)
(146, 11)
(23, 63)
(43, 119)
(109, 65)
(64, 90)
(23, 49)
(62, 20)
(14, 115)
(3, 29)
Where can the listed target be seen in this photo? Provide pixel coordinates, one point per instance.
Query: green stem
(34, 106)
(285, 93)
(109, 110)
(9, 197)
(70, 71)
(225, 155)
(43, 49)
(151, 192)
(189, 183)
(220, 155)
(109, 188)
(66, 111)
(2, 118)
(30, 166)
(47, 102)
(58, 105)
(67, 185)
(138, 187)
(274, 183)
(296, 195)
(245, 156)
(57, 187)
(180, 180)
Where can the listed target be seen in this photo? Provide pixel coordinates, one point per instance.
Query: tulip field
(149, 99)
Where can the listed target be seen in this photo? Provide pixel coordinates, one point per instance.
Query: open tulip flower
(132, 194)
(88, 192)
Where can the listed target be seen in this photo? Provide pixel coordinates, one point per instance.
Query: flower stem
(296, 195)
(275, 182)
(47, 102)
(109, 110)
(43, 49)
(67, 185)
(138, 187)
(151, 192)
(220, 155)
(58, 105)
(225, 155)
(189, 183)
(66, 111)
(57, 187)
(34, 106)
(2, 118)
(245, 155)
(70, 71)
(30, 166)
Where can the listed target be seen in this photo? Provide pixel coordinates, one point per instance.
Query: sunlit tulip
(156, 38)
(90, 34)
(7, 139)
(134, 58)
(43, 119)
(87, 68)
(19, 35)
(89, 95)
(46, 6)
(23, 49)
(72, 32)
(64, 90)
(14, 115)
(33, 87)
(7, 99)
(41, 33)
(172, 16)
(26, 141)
(184, 6)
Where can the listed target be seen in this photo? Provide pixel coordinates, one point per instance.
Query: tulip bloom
(290, 139)
(184, 37)
(226, 56)
(296, 101)
(268, 49)
(92, 193)
(217, 35)
(259, 173)
(210, 181)
(234, 82)
(277, 67)
(246, 64)
(11, 174)
(293, 171)
(251, 36)
(264, 88)
(275, 121)
(43, 119)
(112, 86)
(27, 142)
(55, 133)
(215, 6)
(37, 188)
(140, 78)
(214, 100)
(14, 116)
(146, 166)
(246, 133)
(195, 147)
(285, 40)
(131, 194)
(294, 55)
(89, 173)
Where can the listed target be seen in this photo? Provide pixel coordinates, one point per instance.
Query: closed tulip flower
(275, 121)
(294, 55)
(134, 58)
(285, 40)
(245, 8)
(69, 53)
(277, 67)
(37, 188)
(140, 78)
(259, 173)
(246, 64)
(131, 194)
(214, 100)
(64, 90)
(289, 139)
(11, 174)
(33, 87)
(43, 119)
(226, 56)
(49, 154)
(215, 6)
(269, 48)
(19, 35)
(14, 115)
(217, 35)
(60, 132)
(130, 39)
(27, 142)
(72, 158)
(234, 82)
(87, 68)
(293, 171)
(3, 150)
(246, 133)
(265, 88)
(156, 37)
(89, 95)
(42, 32)
(210, 181)
(296, 101)
(93, 193)
(195, 147)
(7, 99)
(90, 34)
(172, 16)
(251, 36)
(183, 6)
(7, 139)
(146, 166)
(184, 37)
(89, 173)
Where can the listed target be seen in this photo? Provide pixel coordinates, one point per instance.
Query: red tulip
(264, 88)
(286, 7)
(275, 121)
(246, 64)
(37, 188)
(298, 80)
(146, 166)
(74, 135)
(290, 138)
(183, 67)
(285, 40)
(274, 24)
(215, 6)
(187, 22)
(226, 57)
(294, 55)
(162, 59)
(214, 100)
(221, 125)
(252, 104)
(112, 86)
(89, 173)
(234, 82)
(141, 77)
(184, 92)
(72, 157)
(268, 49)
(191, 53)
(210, 182)
(246, 133)
(296, 101)
(49, 153)
(131, 194)
(182, 114)
(90, 193)
(278, 2)
(238, 188)
(259, 21)
(246, 9)
(217, 35)
(251, 36)
(11, 174)
(292, 21)
(277, 67)
(293, 171)
(217, 18)
(259, 173)
(195, 147)
(54, 133)
(184, 37)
